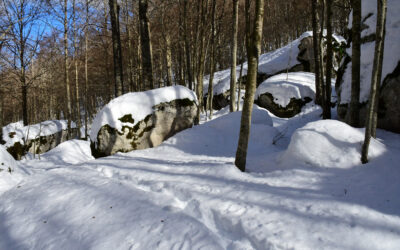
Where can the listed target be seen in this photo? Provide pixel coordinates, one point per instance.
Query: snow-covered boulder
(285, 94)
(297, 56)
(328, 144)
(37, 138)
(389, 103)
(10, 173)
(142, 120)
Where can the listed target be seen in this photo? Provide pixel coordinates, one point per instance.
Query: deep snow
(187, 194)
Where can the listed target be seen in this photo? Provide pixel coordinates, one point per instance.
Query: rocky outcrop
(167, 119)
(39, 145)
(294, 107)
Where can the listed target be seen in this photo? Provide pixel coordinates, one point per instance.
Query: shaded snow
(138, 104)
(284, 87)
(391, 52)
(187, 194)
(17, 132)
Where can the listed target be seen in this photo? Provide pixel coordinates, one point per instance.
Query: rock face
(389, 92)
(266, 101)
(19, 140)
(167, 119)
(284, 95)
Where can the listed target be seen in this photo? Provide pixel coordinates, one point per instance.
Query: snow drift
(329, 144)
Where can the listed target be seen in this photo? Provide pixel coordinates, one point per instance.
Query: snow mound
(329, 144)
(10, 172)
(391, 52)
(284, 87)
(139, 105)
(70, 152)
(17, 132)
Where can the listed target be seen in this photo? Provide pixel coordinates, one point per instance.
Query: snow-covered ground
(187, 193)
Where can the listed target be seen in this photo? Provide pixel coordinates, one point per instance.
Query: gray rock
(266, 101)
(40, 145)
(166, 120)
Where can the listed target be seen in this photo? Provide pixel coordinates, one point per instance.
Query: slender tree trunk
(371, 121)
(240, 82)
(147, 55)
(78, 99)
(66, 67)
(117, 51)
(321, 51)
(201, 59)
(130, 51)
(86, 70)
(317, 50)
(253, 51)
(212, 61)
(235, 21)
(354, 115)
(168, 58)
(329, 61)
(187, 45)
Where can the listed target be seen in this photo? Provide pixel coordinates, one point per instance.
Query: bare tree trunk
(212, 61)
(201, 59)
(235, 21)
(66, 67)
(187, 45)
(117, 51)
(329, 59)
(321, 51)
(147, 55)
(78, 99)
(168, 59)
(130, 54)
(317, 51)
(240, 81)
(86, 70)
(371, 121)
(253, 51)
(354, 115)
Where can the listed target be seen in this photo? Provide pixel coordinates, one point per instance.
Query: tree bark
(66, 67)
(117, 51)
(78, 99)
(317, 56)
(354, 115)
(329, 59)
(371, 121)
(253, 51)
(168, 58)
(212, 61)
(86, 70)
(187, 45)
(147, 55)
(235, 21)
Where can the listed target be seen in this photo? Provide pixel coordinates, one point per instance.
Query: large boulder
(142, 120)
(37, 139)
(284, 95)
(298, 56)
(389, 111)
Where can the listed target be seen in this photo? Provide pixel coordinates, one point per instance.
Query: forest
(199, 124)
